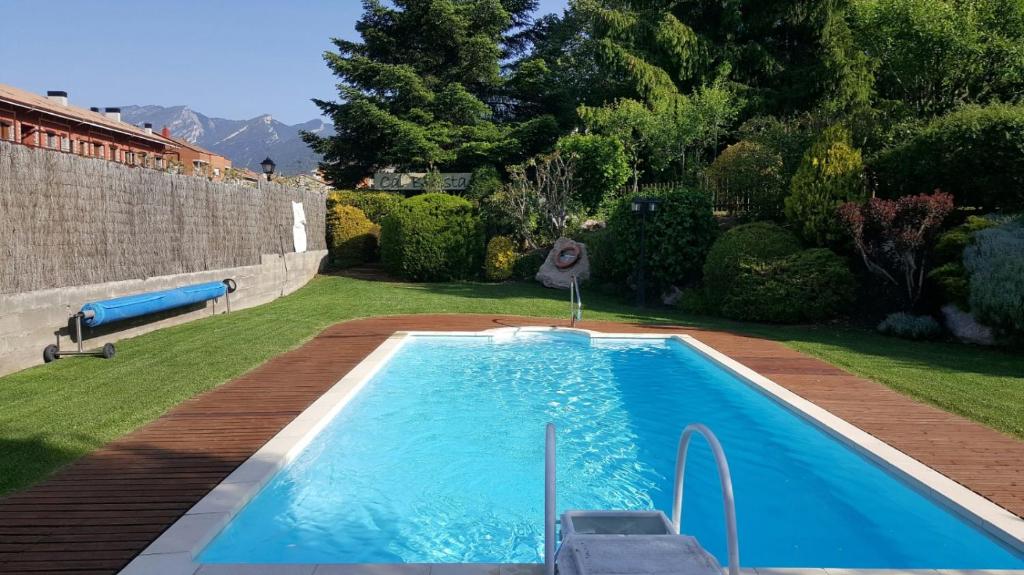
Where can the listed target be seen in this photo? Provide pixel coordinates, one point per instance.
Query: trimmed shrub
(749, 243)
(375, 205)
(693, 300)
(485, 182)
(351, 236)
(500, 260)
(527, 265)
(909, 326)
(599, 251)
(975, 153)
(432, 237)
(748, 177)
(830, 175)
(811, 285)
(950, 275)
(678, 237)
(995, 265)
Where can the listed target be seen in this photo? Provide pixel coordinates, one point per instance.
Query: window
(115, 154)
(65, 144)
(51, 140)
(101, 152)
(7, 132)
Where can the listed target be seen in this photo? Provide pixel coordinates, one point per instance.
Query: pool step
(635, 542)
(634, 555)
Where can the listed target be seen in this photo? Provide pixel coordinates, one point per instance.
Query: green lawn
(55, 413)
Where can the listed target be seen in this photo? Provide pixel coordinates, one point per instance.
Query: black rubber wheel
(108, 351)
(50, 353)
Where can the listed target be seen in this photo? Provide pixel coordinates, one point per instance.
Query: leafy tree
(830, 174)
(748, 176)
(894, 237)
(930, 56)
(413, 91)
(633, 125)
(539, 197)
(602, 167)
(783, 56)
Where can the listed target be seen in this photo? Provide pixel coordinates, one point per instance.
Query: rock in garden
(566, 259)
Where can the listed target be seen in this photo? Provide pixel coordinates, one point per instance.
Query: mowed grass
(53, 414)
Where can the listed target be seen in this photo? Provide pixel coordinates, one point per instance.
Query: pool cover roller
(99, 313)
(117, 309)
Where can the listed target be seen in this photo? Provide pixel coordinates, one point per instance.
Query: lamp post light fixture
(642, 207)
(268, 166)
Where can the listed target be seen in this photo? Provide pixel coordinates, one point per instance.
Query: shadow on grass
(24, 460)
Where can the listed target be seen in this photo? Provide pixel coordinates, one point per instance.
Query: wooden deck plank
(96, 514)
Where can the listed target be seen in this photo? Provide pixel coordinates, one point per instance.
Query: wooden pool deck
(98, 513)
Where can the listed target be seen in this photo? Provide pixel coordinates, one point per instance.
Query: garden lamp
(642, 206)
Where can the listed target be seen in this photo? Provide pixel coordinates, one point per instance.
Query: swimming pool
(439, 459)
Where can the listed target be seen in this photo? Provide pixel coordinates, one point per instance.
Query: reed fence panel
(67, 220)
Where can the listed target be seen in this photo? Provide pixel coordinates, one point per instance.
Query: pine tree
(414, 92)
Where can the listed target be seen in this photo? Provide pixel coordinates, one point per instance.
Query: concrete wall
(29, 321)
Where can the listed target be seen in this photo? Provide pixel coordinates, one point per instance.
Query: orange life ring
(567, 257)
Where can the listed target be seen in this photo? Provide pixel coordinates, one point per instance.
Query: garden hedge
(678, 236)
(749, 243)
(351, 236)
(975, 153)
(808, 286)
(432, 237)
(375, 205)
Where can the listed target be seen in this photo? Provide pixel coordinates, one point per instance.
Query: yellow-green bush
(501, 259)
(375, 205)
(830, 175)
(351, 236)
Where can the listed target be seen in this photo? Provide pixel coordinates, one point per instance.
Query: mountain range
(245, 142)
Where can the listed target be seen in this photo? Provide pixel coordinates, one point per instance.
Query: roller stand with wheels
(53, 352)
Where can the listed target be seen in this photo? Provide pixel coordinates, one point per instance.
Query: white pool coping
(175, 551)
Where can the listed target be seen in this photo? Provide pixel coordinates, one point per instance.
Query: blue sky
(228, 58)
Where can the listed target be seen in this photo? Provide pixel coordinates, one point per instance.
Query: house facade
(197, 161)
(51, 122)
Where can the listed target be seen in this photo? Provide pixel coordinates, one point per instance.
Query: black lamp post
(642, 207)
(268, 166)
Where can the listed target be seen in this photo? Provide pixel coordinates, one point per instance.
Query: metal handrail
(575, 301)
(728, 502)
(549, 500)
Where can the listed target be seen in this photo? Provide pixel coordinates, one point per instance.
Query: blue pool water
(440, 459)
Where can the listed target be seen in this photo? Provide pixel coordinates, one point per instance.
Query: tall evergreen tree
(415, 91)
(782, 56)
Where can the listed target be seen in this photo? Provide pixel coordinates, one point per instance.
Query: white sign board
(299, 227)
(416, 182)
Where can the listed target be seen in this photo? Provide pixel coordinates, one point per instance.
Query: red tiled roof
(186, 144)
(25, 99)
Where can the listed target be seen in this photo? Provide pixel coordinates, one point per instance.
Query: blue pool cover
(127, 307)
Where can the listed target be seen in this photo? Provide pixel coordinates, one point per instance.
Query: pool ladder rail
(635, 542)
(575, 302)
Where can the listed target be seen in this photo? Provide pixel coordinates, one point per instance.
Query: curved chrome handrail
(575, 301)
(549, 500)
(728, 502)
